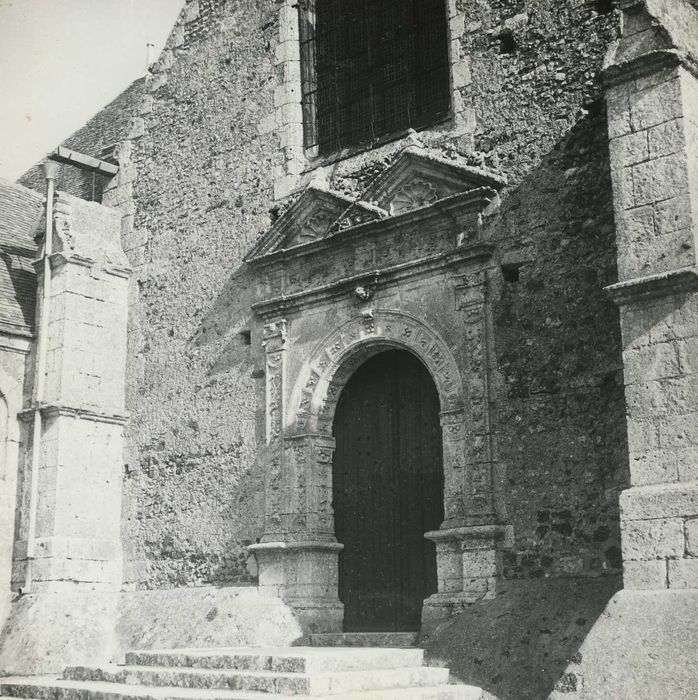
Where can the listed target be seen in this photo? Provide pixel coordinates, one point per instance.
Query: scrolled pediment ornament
(415, 194)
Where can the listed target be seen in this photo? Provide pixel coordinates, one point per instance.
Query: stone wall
(203, 153)
(192, 498)
(207, 161)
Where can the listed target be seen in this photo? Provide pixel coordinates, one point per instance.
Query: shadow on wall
(518, 645)
(231, 310)
(560, 424)
(560, 420)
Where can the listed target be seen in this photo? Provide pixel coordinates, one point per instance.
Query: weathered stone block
(679, 431)
(673, 215)
(672, 318)
(687, 462)
(666, 139)
(654, 467)
(661, 501)
(479, 564)
(659, 103)
(659, 179)
(461, 73)
(618, 110)
(645, 575)
(643, 436)
(683, 573)
(652, 539)
(652, 362)
(629, 149)
(623, 190)
(661, 400)
(691, 528)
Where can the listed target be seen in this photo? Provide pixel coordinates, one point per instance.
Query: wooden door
(387, 492)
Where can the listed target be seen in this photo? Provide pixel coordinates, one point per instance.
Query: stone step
(364, 639)
(316, 684)
(288, 660)
(29, 689)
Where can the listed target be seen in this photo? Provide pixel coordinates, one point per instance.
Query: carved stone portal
(400, 280)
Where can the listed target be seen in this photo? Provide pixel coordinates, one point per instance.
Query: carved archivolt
(333, 361)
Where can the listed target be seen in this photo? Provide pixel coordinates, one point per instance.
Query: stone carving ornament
(415, 194)
(316, 226)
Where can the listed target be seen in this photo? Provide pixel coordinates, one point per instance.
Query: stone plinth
(468, 564)
(304, 575)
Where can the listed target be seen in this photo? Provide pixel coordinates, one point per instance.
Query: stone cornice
(474, 201)
(486, 533)
(17, 331)
(82, 412)
(59, 260)
(654, 286)
(647, 64)
(479, 252)
(263, 547)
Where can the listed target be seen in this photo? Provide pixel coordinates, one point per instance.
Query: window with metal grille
(371, 69)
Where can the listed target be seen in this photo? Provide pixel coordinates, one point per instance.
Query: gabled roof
(20, 214)
(96, 138)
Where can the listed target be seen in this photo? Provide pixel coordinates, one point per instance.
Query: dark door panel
(388, 491)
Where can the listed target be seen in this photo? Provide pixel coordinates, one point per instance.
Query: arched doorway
(387, 491)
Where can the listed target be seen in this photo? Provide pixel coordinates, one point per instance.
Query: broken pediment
(417, 179)
(316, 214)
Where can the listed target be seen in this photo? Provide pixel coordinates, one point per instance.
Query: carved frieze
(421, 208)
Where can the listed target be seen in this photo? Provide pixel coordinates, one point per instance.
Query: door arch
(387, 491)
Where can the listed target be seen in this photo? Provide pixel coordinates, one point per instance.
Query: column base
(468, 566)
(304, 575)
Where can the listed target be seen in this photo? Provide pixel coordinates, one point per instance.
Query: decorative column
(75, 543)
(297, 556)
(468, 542)
(652, 97)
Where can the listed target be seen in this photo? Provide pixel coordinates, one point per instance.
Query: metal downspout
(50, 171)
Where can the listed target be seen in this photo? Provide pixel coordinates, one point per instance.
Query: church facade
(379, 311)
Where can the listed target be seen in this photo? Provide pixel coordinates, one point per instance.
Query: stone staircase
(336, 673)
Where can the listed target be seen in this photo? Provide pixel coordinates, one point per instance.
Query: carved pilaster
(454, 461)
(274, 342)
(471, 291)
(307, 509)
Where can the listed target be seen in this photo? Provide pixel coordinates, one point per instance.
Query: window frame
(307, 20)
